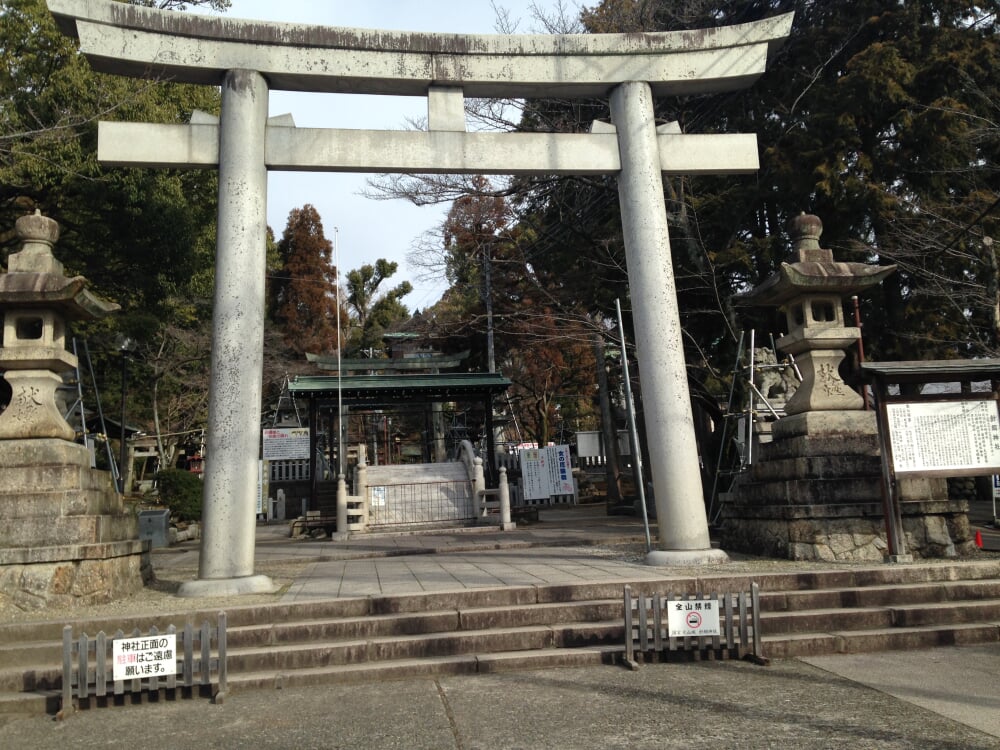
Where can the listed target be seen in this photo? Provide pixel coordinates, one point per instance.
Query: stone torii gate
(248, 58)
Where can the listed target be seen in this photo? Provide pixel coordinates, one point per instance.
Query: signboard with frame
(285, 443)
(946, 438)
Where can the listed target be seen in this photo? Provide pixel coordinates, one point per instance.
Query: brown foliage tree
(304, 292)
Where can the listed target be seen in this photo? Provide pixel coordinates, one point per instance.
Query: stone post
(504, 494)
(479, 484)
(342, 532)
(227, 547)
(680, 506)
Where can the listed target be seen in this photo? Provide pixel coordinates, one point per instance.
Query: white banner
(546, 472)
(560, 470)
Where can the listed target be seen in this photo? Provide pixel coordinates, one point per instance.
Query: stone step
(822, 620)
(889, 639)
(29, 704)
(262, 654)
(870, 618)
(874, 596)
(406, 624)
(952, 612)
(810, 612)
(427, 645)
(779, 591)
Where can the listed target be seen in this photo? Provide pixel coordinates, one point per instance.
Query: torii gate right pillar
(680, 506)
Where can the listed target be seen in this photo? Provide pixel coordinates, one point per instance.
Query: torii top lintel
(144, 42)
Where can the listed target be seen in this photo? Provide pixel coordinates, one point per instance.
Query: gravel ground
(687, 706)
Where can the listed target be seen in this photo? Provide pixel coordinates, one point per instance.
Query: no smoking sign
(693, 618)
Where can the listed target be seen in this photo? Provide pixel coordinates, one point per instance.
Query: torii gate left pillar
(246, 58)
(226, 563)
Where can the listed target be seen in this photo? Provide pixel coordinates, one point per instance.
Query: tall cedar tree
(305, 291)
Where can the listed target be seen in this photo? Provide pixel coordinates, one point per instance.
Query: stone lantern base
(65, 537)
(815, 494)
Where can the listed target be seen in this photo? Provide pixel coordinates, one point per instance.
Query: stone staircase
(847, 610)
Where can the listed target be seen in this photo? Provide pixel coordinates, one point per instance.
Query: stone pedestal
(65, 537)
(815, 494)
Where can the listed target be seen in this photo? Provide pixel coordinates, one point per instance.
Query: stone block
(41, 452)
(922, 488)
(14, 506)
(816, 467)
(826, 424)
(811, 492)
(72, 583)
(848, 539)
(801, 446)
(40, 531)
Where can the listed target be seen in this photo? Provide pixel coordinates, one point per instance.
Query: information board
(940, 436)
(148, 656)
(546, 472)
(286, 443)
(534, 477)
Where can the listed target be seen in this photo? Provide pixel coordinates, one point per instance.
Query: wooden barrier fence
(88, 670)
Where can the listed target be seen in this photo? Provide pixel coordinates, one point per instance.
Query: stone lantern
(814, 491)
(66, 538)
(36, 300)
(812, 289)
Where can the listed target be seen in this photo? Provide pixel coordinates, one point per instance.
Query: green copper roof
(433, 362)
(388, 389)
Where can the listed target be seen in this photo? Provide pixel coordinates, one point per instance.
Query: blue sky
(368, 229)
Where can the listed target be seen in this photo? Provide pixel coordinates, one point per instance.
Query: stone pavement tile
(962, 682)
(438, 582)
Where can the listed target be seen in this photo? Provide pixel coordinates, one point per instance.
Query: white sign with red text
(147, 656)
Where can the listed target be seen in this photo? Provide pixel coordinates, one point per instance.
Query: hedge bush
(181, 492)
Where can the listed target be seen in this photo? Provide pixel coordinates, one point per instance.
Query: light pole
(125, 346)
